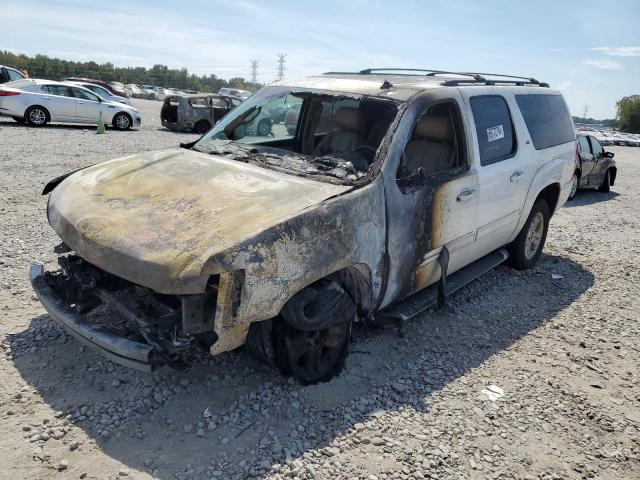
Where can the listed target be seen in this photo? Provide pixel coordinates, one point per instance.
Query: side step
(424, 299)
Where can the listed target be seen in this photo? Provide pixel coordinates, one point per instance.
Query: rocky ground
(525, 375)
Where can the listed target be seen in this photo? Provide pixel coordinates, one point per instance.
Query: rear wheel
(37, 116)
(525, 250)
(605, 186)
(122, 121)
(574, 185)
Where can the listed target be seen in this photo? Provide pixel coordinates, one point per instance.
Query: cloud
(564, 85)
(603, 64)
(619, 51)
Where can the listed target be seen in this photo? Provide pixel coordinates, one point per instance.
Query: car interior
(436, 144)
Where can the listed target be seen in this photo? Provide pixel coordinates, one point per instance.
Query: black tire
(202, 126)
(522, 255)
(260, 342)
(37, 116)
(19, 120)
(122, 121)
(574, 190)
(264, 127)
(605, 186)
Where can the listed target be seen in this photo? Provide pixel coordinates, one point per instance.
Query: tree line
(42, 66)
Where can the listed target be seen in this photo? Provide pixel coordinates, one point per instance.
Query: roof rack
(476, 77)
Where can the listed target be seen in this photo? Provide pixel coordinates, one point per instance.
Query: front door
(88, 105)
(432, 196)
(600, 162)
(587, 160)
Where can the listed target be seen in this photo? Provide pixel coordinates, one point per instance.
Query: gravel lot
(561, 341)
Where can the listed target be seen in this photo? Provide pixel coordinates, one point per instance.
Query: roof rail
(519, 83)
(529, 79)
(427, 72)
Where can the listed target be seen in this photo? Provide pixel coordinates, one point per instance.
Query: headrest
(434, 127)
(349, 118)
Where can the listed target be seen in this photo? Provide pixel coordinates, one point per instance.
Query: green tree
(628, 114)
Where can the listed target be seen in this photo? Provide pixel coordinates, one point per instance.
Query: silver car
(38, 102)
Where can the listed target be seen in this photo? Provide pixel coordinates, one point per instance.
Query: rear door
(587, 160)
(60, 102)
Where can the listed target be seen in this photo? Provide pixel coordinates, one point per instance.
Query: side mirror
(609, 154)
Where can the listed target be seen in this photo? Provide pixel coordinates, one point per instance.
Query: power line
(254, 71)
(281, 68)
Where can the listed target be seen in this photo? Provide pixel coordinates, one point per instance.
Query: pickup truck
(423, 181)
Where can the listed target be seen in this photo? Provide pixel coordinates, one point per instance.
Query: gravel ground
(560, 343)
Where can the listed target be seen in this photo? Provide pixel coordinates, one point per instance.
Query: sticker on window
(495, 133)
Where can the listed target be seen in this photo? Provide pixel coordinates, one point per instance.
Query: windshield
(330, 135)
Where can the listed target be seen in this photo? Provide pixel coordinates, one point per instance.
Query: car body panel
(156, 218)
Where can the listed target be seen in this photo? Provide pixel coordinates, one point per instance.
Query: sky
(590, 50)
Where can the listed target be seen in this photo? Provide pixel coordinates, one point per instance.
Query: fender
(552, 172)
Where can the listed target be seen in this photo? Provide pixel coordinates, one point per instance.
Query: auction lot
(561, 341)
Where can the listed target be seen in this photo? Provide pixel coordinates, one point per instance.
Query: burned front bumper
(132, 354)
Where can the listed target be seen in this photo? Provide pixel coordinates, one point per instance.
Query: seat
(347, 133)
(431, 146)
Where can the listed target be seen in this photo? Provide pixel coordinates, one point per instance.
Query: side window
(436, 144)
(13, 75)
(494, 128)
(4, 75)
(547, 119)
(596, 148)
(85, 95)
(59, 90)
(583, 145)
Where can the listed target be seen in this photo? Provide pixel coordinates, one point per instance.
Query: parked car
(234, 92)
(134, 91)
(8, 74)
(117, 86)
(38, 102)
(595, 167)
(195, 113)
(602, 138)
(630, 139)
(148, 91)
(102, 92)
(162, 93)
(283, 242)
(114, 91)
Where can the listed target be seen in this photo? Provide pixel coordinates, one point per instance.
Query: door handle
(516, 176)
(467, 194)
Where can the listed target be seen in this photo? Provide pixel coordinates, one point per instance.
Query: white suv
(388, 192)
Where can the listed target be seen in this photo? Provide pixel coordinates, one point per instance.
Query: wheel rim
(264, 129)
(534, 236)
(122, 121)
(37, 116)
(574, 186)
(313, 354)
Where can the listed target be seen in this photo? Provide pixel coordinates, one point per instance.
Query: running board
(428, 297)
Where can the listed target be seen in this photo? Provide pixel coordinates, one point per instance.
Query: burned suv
(392, 190)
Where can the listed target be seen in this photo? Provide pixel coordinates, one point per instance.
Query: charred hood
(155, 218)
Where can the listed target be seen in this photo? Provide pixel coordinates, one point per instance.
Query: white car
(102, 92)
(134, 91)
(38, 102)
(234, 92)
(631, 139)
(162, 93)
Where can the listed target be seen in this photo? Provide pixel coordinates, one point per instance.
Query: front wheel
(264, 127)
(122, 121)
(605, 187)
(525, 250)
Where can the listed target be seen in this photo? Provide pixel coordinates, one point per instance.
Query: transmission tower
(585, 111)
(254, 71)
(281, 62)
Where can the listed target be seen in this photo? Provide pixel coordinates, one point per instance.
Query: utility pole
(254, 72)
(281, 62)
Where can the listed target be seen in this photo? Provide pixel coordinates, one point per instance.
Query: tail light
(8, 93)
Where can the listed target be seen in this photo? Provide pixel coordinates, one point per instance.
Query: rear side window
(13, 75)
(547, 119)
(59, 90)
(494, 128)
